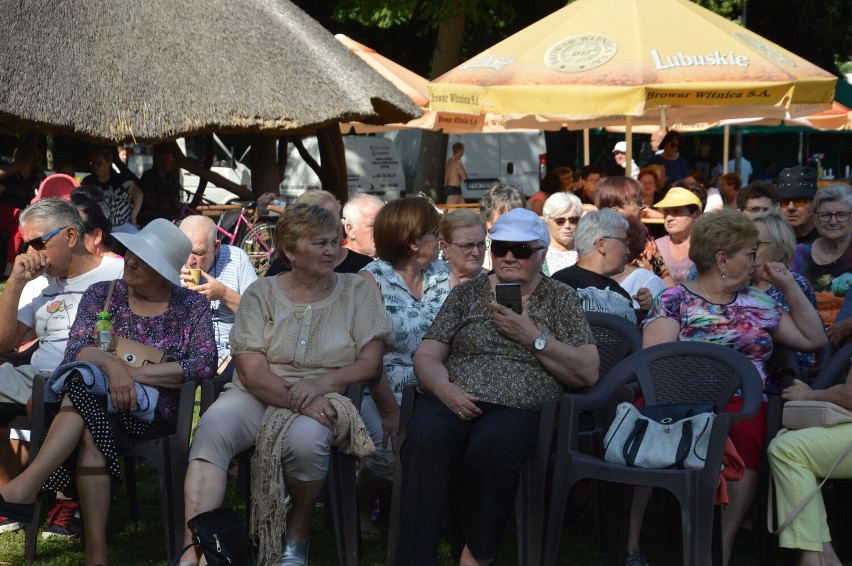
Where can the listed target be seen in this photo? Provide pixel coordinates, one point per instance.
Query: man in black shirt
(601, 244)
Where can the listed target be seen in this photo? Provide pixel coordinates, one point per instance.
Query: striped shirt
(233, 269)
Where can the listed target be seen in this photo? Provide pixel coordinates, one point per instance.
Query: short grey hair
(836, 192)
(500, 198)
(782, 239)
(55, 212)
(198, 223)
(558, 203)
(595, 225)
(353, 210)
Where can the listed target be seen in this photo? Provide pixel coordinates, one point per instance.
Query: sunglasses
(40, 243)
(573, 220)
(797, 202)
(519, 251)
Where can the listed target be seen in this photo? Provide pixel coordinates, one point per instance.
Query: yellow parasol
(625, 57)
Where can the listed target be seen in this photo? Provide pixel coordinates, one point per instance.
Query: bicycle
(236, 229)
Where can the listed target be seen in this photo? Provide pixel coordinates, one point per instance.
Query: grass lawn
(141, 543)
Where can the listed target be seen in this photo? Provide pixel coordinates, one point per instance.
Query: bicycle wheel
(256, 241)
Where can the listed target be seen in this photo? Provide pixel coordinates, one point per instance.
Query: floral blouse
(805, 360)
(411, 317)
(184, 331)
(485, 363)
(745, 324)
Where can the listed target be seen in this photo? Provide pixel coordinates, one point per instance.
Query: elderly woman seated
(299, 338)
(485, 372)
(601, 242)
(147, 306)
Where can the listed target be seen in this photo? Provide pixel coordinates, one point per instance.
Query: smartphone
(509, 295)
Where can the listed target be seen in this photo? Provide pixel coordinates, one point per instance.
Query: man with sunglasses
(798, 186)
(40, 300)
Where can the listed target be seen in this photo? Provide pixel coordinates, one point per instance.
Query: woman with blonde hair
(463, 243)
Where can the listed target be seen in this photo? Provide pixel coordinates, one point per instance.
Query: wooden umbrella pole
(586, 152)
(726, 141)
(628, 136)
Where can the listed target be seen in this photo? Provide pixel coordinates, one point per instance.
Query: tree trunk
(264, 165)
(333, 162)
(433, 145)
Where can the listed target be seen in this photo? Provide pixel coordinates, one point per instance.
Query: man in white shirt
(226, 273)
(41, 298)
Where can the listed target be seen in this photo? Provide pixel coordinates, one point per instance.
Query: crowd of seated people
(423, 312)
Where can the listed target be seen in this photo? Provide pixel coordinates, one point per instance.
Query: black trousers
(488, 453)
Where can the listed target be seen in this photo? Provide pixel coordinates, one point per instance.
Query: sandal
(369, 531)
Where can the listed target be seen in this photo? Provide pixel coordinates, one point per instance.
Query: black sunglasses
(573, 220)
(40, 243)
(520, 251)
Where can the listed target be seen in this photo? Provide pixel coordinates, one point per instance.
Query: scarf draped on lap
(268, 493)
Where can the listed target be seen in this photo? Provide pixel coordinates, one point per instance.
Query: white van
(515, 158)
(224, 164)
(372, 163)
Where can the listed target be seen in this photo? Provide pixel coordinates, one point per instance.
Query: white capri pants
(230, 426)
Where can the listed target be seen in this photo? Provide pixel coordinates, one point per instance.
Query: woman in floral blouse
(413, 284)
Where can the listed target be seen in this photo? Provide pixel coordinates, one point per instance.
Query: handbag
(222, 538)
(130, 351)
(804, 414)
(660, 436)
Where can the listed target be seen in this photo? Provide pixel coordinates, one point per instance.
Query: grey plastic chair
(676, 372)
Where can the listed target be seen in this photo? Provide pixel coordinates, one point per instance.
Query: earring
(723, 272)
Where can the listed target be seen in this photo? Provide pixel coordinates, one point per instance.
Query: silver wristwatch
(540, 342)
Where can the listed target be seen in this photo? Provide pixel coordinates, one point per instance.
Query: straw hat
(161, 245)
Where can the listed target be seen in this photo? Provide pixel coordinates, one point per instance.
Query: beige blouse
(328, 337)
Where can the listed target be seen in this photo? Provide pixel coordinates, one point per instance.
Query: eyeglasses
(468, 248)
(762, 243)
(618, 153)
(40, 243)
(622, 240)
(841, 216)
(96, 163)
(674, 145)
(797, 202)
(520, 251)
(573, 220)
(751, 254)
(434, 231)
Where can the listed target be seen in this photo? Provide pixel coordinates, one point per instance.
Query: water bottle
(103, 331)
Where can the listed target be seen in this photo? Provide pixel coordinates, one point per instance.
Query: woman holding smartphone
(485, 371)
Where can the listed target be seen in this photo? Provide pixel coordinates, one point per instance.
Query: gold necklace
(708, 294)
(296, 313)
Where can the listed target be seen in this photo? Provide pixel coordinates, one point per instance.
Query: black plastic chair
(676, 372)
(167, 454)
(340, 485)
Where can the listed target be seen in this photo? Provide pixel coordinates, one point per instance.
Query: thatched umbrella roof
(152, 70)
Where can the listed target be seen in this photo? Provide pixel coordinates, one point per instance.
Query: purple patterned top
(185, 331)
(745, 324)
